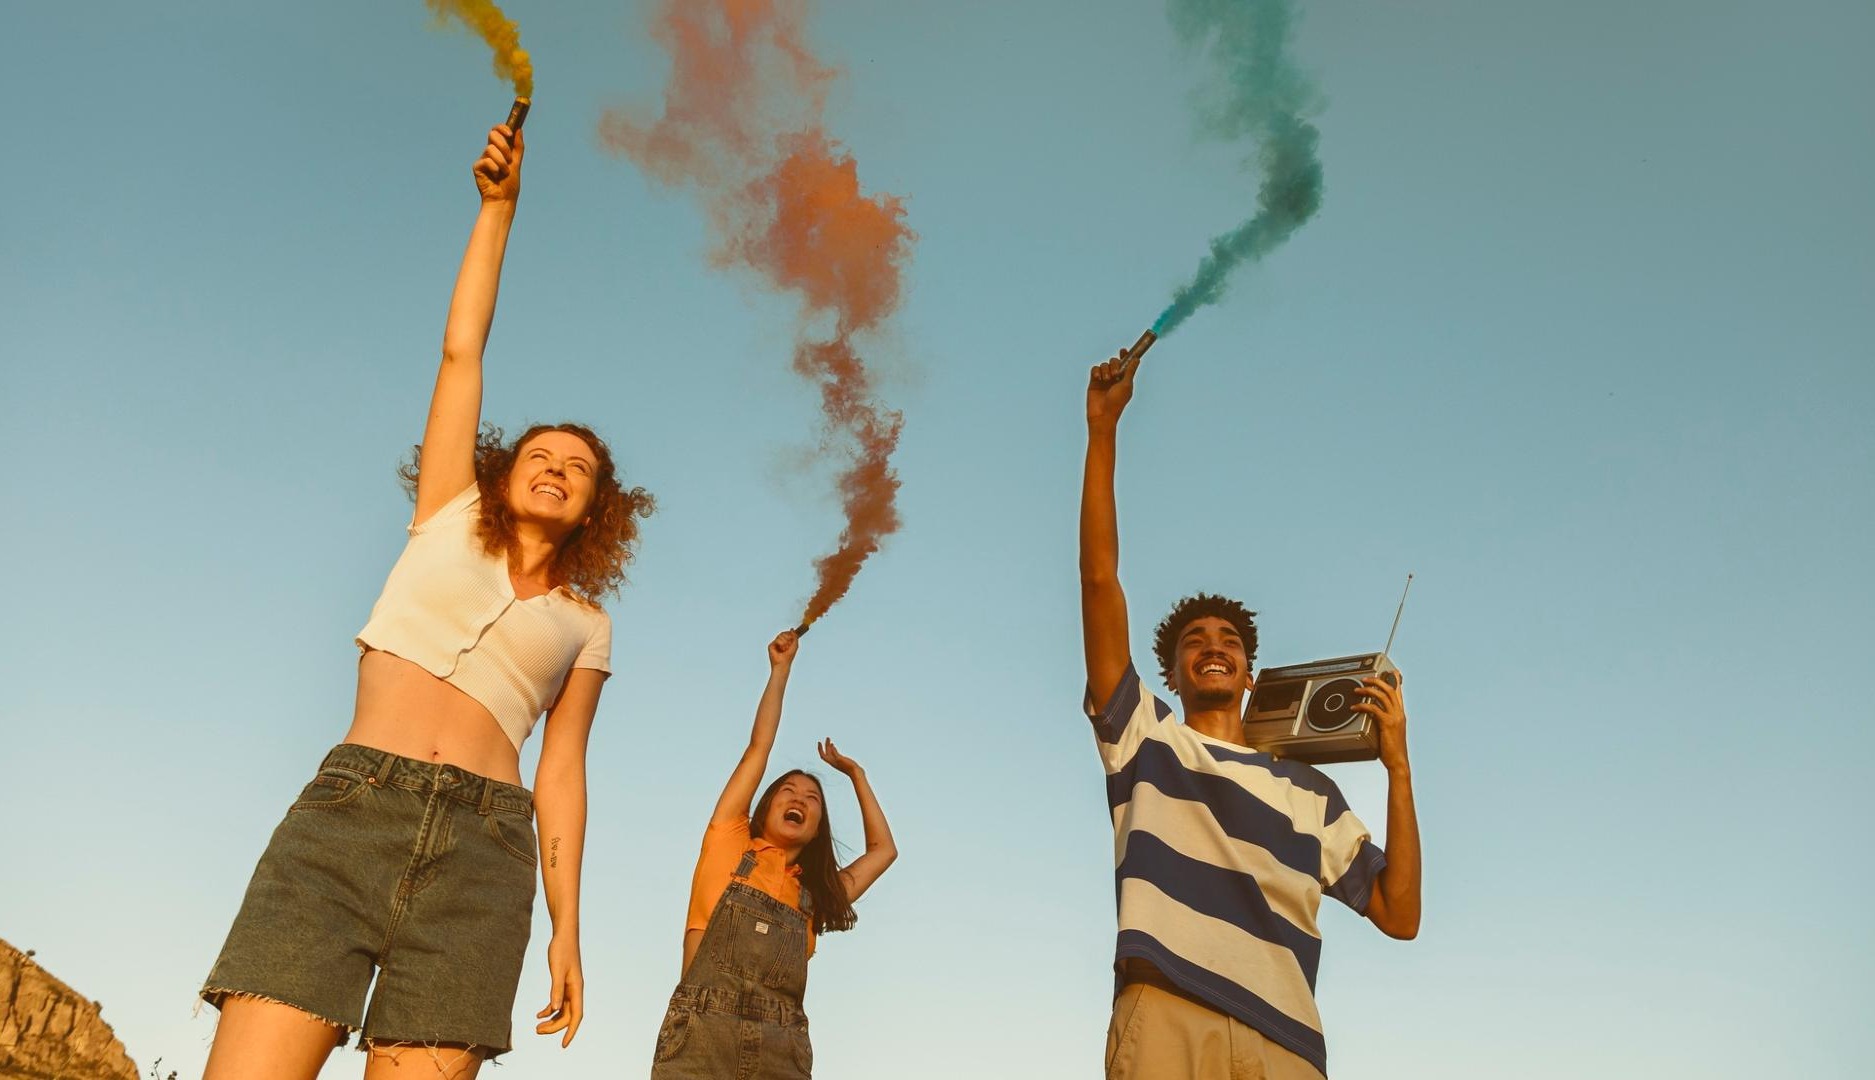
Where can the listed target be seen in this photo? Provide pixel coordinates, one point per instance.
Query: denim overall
(737, 1012)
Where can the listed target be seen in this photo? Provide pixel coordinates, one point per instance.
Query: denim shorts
(422, 873)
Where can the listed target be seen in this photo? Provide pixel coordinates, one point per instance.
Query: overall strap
(745, 867)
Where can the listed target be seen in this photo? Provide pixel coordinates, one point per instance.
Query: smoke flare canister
(1139, 347)
(801, 630)
(517, 115)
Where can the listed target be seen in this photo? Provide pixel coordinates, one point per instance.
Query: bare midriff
(407, 711)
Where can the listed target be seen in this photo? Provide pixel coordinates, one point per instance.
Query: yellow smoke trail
(502, 34)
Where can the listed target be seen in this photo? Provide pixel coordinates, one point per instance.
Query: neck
(1224, 723)
(532, 556)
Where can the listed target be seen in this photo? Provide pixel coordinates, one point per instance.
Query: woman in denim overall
(766, 885)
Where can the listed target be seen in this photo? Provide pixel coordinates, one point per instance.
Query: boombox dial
(1331, 706)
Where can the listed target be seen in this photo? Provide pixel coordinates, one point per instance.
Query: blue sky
(1581, 336)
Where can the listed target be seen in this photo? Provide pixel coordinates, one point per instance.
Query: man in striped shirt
(1221, 852)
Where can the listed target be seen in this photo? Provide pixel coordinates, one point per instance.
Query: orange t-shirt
(723, 846)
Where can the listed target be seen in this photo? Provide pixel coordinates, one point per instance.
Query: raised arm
(859, 874)
(1394, 905)
(733, 804)
(447, 463)
(1103, 604)
(560, 818)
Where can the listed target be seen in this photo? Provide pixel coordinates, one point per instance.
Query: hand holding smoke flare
(742, 124)
(1259, 93)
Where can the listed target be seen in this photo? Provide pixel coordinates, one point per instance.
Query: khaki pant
(1158, 1035)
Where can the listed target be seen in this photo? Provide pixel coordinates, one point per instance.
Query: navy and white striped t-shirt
(1221, 855)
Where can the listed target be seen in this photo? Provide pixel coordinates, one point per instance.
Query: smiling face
(1210, 669)
(552, 481)
(794, 812)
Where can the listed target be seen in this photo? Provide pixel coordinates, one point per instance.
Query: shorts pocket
(514, 833)
(1126, 1017)
(673, 1032)
(332, 787)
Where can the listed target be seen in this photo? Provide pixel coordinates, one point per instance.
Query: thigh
(696, 1046)
(318, 904)
(266, 1038)
(1166, 1037)
(1260, 1059)
(786, 1052)
(410, 1061)
(453, 962)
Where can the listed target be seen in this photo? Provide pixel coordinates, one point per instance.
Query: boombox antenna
(1396, 612)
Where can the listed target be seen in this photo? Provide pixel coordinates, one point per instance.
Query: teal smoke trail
(1258, 93)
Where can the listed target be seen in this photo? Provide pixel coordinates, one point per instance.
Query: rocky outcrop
(48, 1031)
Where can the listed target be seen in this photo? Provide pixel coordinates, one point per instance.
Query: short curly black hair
(1199, 606)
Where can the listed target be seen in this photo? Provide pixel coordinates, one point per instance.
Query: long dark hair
(820, 867)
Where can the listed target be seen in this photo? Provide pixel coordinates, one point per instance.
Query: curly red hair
(591, 562)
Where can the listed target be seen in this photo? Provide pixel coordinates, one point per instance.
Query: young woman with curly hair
(766, 884)
(411, 855)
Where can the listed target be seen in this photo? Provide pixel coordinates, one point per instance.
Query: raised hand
(830, 754)
(498, 171)
(781, 650)
(1109, 388)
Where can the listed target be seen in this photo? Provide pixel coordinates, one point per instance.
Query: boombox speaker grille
(1331, 707)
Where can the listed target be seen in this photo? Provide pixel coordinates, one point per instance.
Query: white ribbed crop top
(449, 607)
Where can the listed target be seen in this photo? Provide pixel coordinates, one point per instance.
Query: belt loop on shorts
(383, 775)
(488, 797)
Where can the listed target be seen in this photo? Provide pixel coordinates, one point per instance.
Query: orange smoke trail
(742, 123)
(501, 33)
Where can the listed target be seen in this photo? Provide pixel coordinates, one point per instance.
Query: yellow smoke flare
(502, 34)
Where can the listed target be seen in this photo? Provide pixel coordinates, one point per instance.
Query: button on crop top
(449, 607)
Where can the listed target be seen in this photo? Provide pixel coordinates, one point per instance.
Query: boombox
(1306, 711)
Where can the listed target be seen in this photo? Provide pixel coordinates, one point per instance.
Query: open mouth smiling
(794, 816)
(545, 488)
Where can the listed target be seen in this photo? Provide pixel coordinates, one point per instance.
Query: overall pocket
(671, 1035)
(739, 940)
(803, 1049)
(789, 967)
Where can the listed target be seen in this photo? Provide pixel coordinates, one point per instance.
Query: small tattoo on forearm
(553, 853)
